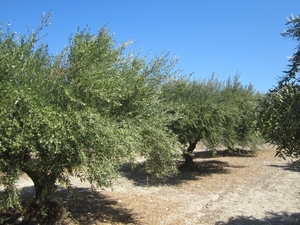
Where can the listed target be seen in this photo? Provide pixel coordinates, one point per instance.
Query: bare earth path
(223, 190)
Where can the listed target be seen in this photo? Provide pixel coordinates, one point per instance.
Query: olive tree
(80, 113)
(279, 117)
(218, 113)
(239, 124)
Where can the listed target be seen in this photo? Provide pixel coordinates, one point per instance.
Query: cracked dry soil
(227, 190)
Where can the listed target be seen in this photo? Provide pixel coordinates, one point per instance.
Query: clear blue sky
(220, 36)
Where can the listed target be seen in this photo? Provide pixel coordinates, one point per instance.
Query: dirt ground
(228, 190)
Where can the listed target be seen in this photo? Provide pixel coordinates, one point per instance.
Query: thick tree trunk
(42, 205)
(44, 184)
(43, 191)
(188, 157)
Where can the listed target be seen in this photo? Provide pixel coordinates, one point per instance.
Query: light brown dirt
(223, 190)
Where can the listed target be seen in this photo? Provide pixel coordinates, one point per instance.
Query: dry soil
(227, 189)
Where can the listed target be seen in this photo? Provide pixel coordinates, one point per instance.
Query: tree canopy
(279, 117)
(79, 113)
(218, 113)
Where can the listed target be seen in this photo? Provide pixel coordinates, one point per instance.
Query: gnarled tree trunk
(188, 155)
(44, 183)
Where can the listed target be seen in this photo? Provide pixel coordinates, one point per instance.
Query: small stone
(19, 220)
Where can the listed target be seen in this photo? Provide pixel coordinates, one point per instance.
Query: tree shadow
(280, 218)
(87, 207)
(294, 167)
(140, 177)
(205, 154)
(80, 205)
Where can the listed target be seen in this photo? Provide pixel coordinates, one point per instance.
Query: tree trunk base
(50, 214)
(188, 155)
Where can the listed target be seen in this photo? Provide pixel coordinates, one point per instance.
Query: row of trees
(92, 107)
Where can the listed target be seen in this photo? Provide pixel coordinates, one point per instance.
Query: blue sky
(220, 36)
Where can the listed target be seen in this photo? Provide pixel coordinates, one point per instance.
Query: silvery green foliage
(279, 117)
(218, 113)
(80, 113)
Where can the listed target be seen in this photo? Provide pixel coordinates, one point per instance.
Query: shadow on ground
(294, 167)
(224, 153)
(81, 206)
(200, 169)
(88, 207)
(281, 218)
